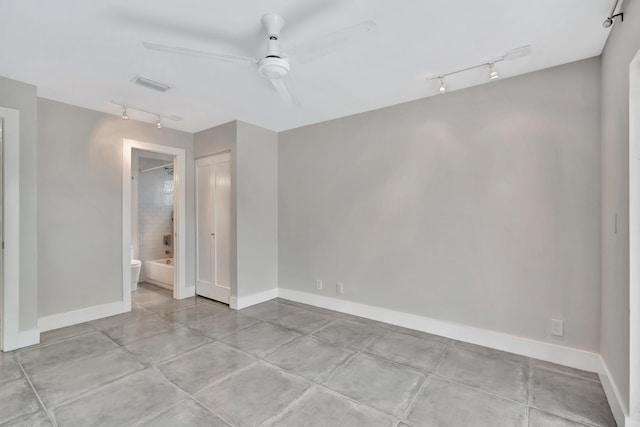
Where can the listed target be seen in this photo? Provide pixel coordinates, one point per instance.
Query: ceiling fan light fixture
(273, 68)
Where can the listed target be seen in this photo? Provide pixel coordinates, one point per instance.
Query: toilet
(136, 265)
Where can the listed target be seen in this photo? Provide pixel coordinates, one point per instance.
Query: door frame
(634, 238)
(10, 336)
(180, 289)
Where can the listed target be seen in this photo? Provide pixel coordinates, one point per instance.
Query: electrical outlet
(339, 288)
(557, 327)
(318, 284)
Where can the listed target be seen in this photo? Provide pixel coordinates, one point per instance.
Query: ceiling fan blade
(200, 53)
(332, 42)
(287, 90)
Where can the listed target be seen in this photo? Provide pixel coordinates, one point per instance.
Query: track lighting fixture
(510, 55)
(160, 117)
(493, 74)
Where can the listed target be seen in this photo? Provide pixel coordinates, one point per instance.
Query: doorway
(178, 233)
(152, 219)
(213, 227)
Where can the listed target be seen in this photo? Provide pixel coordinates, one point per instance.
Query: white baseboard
(611, 390)
(56, 321)
(23, 339)
(30, 337)
(253, 299)
(630, 423)
(188, 292)
(567, 356)
(159, 284)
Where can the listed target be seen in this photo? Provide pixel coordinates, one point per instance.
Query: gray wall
(218, 139)
(621, 47)
(257, 208)
(480, 207)
(22, 97)
(80, 203)
(254, 189)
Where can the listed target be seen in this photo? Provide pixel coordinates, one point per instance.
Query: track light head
(442, 88)
(607, 23)
(125, 116)
(493, 74)
(159, 123)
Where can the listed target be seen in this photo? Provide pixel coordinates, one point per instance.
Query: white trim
(566, 356)
(611, 390)
(634, 237)
(180, 290)
(27, 338)
(239, 303)
(630, 423)
(189, 291)
(61, 320)
(11, 337)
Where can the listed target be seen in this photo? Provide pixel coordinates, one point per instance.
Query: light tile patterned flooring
(197, 363)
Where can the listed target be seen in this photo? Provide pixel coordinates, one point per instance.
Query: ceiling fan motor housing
(273, 68)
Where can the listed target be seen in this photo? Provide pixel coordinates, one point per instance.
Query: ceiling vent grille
(151, 84)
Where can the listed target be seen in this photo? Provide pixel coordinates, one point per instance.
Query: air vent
(151, 84)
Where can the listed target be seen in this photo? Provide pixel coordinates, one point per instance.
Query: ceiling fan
(275, 65)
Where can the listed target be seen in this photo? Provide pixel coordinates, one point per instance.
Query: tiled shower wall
(155, 211)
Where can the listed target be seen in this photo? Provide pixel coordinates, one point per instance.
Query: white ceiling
(87, 52)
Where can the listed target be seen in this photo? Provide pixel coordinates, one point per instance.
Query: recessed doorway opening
(147, 158)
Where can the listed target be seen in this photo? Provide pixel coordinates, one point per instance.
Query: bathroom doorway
(152, 219)
(152, 166)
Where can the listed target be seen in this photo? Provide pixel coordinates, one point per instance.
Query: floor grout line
(197, 402)
(279, 414)
(50, 416)
(409, 407)
(155, 414)
(451, 380)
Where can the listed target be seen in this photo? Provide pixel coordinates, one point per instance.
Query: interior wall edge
(614, 396)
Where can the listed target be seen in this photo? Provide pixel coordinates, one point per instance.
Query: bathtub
(159, 272)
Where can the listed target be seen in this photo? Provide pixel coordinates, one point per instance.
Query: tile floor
(197, 363)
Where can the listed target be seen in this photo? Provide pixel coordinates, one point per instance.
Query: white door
(213, 227)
